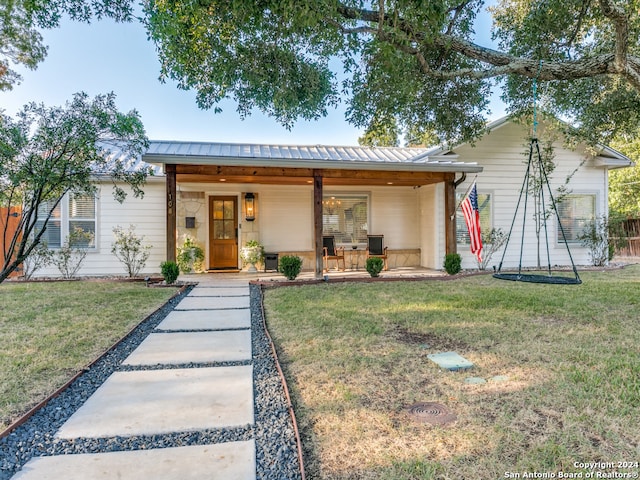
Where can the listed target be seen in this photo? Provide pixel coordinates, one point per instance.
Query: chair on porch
(376, 248)
(330, 252)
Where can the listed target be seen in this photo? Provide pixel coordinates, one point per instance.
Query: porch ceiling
(304, 176)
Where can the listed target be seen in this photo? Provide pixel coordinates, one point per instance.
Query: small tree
(128, 248)
(190, 256)
(595, 237)
(69, 257)
(40, 257)
(47, 153)
(491, 243)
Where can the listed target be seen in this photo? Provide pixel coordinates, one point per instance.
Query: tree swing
(541, 215)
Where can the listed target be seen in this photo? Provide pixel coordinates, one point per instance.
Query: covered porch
(223, 195)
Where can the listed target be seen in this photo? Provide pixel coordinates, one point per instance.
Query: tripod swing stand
(535, 163)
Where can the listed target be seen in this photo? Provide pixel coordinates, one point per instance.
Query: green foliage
(69, 257)
(624, 183)
(190, 256)
(46, 153)
(290, 266)
(128, 248)
(492, 241)
(374, 266)
(252, 252)
(420, 64)
(381, 132)
(170, 272)
(452, 263)
(595, 237)
(413, 64)
(40, 257)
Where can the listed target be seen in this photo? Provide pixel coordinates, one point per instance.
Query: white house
(409, 195)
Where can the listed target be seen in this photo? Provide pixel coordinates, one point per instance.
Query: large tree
(427, 64)
(47, 153)
(419, 62)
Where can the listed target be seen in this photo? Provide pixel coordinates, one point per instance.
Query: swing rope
(540, 213)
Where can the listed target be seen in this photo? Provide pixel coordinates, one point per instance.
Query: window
(346, 217)
(575, 211)
(76, 212)
(486, 223)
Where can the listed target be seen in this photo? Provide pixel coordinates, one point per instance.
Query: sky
(107, 57)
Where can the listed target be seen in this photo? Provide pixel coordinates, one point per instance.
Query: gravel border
(276, 449)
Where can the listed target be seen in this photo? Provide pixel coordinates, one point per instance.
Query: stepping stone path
(194, 372)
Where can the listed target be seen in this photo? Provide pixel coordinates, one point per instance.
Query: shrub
(374, 266)
(69, 257)
(290, 266)
(595, 237)
(252, 252)
(190, 256)
(170, 272)
(39, 257)
(491, 243)
(128, 248)
(452, 263)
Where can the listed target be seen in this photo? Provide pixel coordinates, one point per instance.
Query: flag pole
(464, 196)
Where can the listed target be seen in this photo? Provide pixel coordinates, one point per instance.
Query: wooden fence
(631, 230)
(9, 219)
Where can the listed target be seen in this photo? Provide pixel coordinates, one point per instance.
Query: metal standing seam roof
(316, 155)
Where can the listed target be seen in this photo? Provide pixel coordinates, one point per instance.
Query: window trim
(575, 243)
(352, 194)
(65, 220)
(459, 214)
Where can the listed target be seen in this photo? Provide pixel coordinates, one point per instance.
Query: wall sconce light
(249, 207)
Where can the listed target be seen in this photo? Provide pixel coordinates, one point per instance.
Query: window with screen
(77, 213)
(486, 223)
(575, 212)
(345, 217)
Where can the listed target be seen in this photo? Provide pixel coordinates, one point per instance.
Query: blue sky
(106, 56)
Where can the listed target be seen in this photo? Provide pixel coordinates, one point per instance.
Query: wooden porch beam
(317, 221)
(451, 244)
(170, 172)
(256, 173)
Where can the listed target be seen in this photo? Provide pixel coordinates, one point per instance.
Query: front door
(223, 233)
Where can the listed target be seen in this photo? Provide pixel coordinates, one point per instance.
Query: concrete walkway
(211, 325)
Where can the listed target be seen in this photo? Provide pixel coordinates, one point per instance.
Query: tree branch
(500, 63)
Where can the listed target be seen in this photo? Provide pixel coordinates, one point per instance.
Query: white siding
(286, 218)
(394, 213)
(502, 155)
(432, 232)
(147, 214)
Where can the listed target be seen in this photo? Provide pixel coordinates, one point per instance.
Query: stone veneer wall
(192, 204)
(409, 257)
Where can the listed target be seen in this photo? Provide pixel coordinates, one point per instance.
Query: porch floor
(307, 275)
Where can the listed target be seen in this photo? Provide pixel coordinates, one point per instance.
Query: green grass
(49, 331)
(356, 357)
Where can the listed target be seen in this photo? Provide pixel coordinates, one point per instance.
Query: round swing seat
(537, 278)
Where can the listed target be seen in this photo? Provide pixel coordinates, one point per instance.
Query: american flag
(472, 217)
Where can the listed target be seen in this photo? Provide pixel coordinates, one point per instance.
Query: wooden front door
(223, 233)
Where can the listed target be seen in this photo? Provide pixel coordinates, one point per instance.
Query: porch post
(170, 172)
(317, 220)
(450, 213)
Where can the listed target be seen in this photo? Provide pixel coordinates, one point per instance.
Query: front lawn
(49, 331)
(356, 356)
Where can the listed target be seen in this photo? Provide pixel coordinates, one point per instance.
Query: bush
(170, 272)
(69, 257)
(40, 257)
(452, 263)
(290, 266)
(595, 237)
(128, 248)
(190, 256)
(491, 243)
(374, 266)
